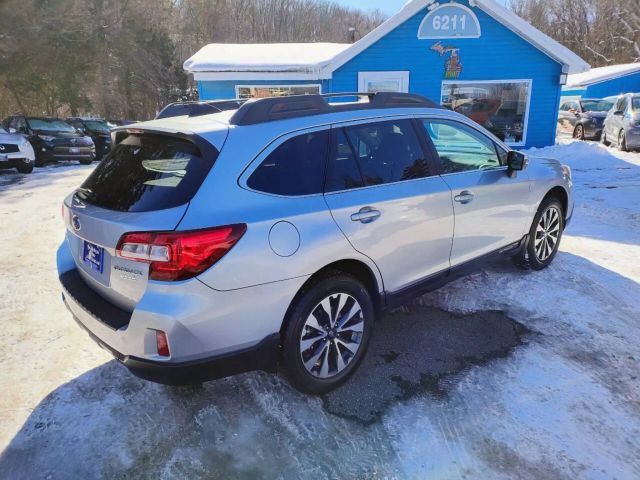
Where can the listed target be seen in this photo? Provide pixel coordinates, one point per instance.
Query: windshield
(97, 126)
(51, 125)
(596, 105)
(147, 172)
(636, 103)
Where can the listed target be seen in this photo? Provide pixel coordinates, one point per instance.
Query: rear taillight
(162, 344)
(179, 255)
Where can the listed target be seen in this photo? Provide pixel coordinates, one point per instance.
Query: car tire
(603, 139)
(39, 162)
(578, 132)
(544, 236)
(622, 141)
(86, 161)
(25, 167)
(328, 329)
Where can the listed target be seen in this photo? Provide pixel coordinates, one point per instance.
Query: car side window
(343, 172)
(461, 148)
(387, 152)
(21, 125)
(564, 107)
(624, 104)
(620, 105)
(296, 167)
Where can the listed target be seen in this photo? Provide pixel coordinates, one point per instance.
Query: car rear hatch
(144, 184)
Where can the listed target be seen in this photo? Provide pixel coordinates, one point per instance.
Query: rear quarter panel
(253, 261)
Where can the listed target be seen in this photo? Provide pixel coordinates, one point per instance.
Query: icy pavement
(503, 374)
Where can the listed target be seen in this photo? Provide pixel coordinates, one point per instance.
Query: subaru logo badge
(73, 140)
(75, 221)
(1, 147)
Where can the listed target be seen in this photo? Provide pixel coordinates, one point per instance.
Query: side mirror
(517, 161)
(13, 130)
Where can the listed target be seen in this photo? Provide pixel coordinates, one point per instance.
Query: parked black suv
(98, 129)
(52, 139)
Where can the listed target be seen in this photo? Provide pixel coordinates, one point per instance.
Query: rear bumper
(593, 131)
(211, 333)
(633, 137)
(13, 162)
(263, 356)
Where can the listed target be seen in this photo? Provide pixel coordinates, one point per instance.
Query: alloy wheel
(579, 132)
(547, 233)
(331, 335)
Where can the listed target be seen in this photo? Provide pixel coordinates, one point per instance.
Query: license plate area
(93, 256)
(74, 150)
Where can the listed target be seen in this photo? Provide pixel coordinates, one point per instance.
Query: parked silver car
(16, 152)
(274, 234)
(622, 125)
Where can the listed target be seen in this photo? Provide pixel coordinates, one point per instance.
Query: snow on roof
(263, 57)
(601, 74)
(571, 62)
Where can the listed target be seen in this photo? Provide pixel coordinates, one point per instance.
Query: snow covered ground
(503, 374)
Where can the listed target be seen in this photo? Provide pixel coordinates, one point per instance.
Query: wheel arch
(356, 268)
(561, 194)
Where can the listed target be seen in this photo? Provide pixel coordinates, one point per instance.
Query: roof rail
(198, 108)
(262, 110)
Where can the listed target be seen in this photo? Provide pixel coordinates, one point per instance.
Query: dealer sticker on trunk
(93, 256)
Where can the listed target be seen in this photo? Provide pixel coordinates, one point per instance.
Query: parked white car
(16, 152)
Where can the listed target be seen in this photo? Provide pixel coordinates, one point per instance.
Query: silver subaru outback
(272, 236)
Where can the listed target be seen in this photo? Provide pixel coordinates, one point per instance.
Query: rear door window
(343, 172)
(147, 172)
(295, 167)
(388, 152)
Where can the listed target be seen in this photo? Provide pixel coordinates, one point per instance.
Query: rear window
(147, 172)
(294, 168)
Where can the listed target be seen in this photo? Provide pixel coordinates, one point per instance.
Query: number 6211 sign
(450, 21)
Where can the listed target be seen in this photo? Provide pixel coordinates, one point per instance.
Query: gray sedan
(622, 125)
(584, 118)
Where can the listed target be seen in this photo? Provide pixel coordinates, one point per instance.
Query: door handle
(366, 215)
(465, 197)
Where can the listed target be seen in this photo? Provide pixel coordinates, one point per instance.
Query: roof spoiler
(279, 108)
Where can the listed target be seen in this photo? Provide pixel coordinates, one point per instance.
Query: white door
(383, 82)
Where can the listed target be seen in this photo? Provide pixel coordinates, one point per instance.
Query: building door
(383, 81)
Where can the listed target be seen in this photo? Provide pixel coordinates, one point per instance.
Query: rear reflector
(179, 255)
(162, 344)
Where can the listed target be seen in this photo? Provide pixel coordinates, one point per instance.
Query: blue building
(474, 56)
(603, 82)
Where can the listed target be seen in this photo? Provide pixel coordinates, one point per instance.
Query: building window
(501, 106)
(263, 91)
(371, 82)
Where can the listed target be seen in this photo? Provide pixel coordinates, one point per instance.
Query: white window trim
(238, 87)
(470, 12)
(402, 75)
(528, 81)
